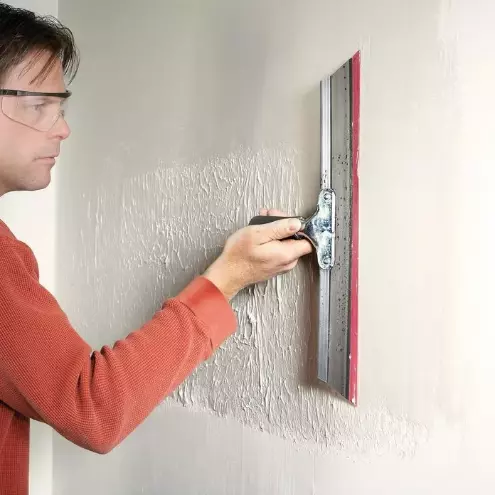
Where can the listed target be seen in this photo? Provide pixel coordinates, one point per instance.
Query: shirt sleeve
(95, 399)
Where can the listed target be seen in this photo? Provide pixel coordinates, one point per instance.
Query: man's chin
(42, 185)
(37, 184)
(41, 176)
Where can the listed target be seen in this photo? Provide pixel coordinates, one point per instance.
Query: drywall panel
(182, 129)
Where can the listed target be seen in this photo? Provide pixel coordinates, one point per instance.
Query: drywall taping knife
(333, 230)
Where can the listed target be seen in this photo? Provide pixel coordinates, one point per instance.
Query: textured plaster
(168, 226)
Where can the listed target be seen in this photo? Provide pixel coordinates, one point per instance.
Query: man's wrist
(216, 275)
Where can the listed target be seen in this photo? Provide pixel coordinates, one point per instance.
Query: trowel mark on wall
(170, 226)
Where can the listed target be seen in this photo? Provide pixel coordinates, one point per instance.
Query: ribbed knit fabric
(92, 398)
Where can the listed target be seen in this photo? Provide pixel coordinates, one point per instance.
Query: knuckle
(249, 234)
(279, 233)
(289, 267)
(286, 258)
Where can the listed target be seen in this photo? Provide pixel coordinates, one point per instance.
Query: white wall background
(32, 219)
(230, 98)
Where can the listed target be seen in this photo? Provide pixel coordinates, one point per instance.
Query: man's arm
(95, 399)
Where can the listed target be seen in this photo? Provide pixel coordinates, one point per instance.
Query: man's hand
(257, 253)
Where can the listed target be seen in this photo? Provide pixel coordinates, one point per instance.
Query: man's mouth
(47, 160)
(49, 157)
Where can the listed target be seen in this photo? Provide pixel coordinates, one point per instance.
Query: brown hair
(24, 33)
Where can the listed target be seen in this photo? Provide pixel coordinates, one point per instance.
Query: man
(47, 371)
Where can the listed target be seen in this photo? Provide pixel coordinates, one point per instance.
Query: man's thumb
(280, 229)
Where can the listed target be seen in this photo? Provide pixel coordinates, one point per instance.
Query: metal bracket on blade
(319, 229)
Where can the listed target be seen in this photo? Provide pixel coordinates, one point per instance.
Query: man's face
(27, 155)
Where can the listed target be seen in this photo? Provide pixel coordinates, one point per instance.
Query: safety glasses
(34, 109)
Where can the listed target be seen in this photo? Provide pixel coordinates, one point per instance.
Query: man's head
(36, 55)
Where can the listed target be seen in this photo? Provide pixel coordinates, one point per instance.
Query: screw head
(327, 197)
(326, 260)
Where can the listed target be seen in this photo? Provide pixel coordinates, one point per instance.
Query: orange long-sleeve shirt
(94, 399)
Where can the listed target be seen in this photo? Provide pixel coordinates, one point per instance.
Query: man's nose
(61, 129)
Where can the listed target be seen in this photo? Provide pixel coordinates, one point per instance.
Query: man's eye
(36, 106)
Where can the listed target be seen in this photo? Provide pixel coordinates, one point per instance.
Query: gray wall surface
(189, 116)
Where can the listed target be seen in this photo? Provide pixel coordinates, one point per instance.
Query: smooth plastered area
(188, 117)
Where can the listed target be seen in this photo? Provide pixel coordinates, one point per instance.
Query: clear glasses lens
(38, 112)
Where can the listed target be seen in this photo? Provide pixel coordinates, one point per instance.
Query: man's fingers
(278, 230)
(290, 266)
(297, 248)
(277, 213)
(272, 212)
